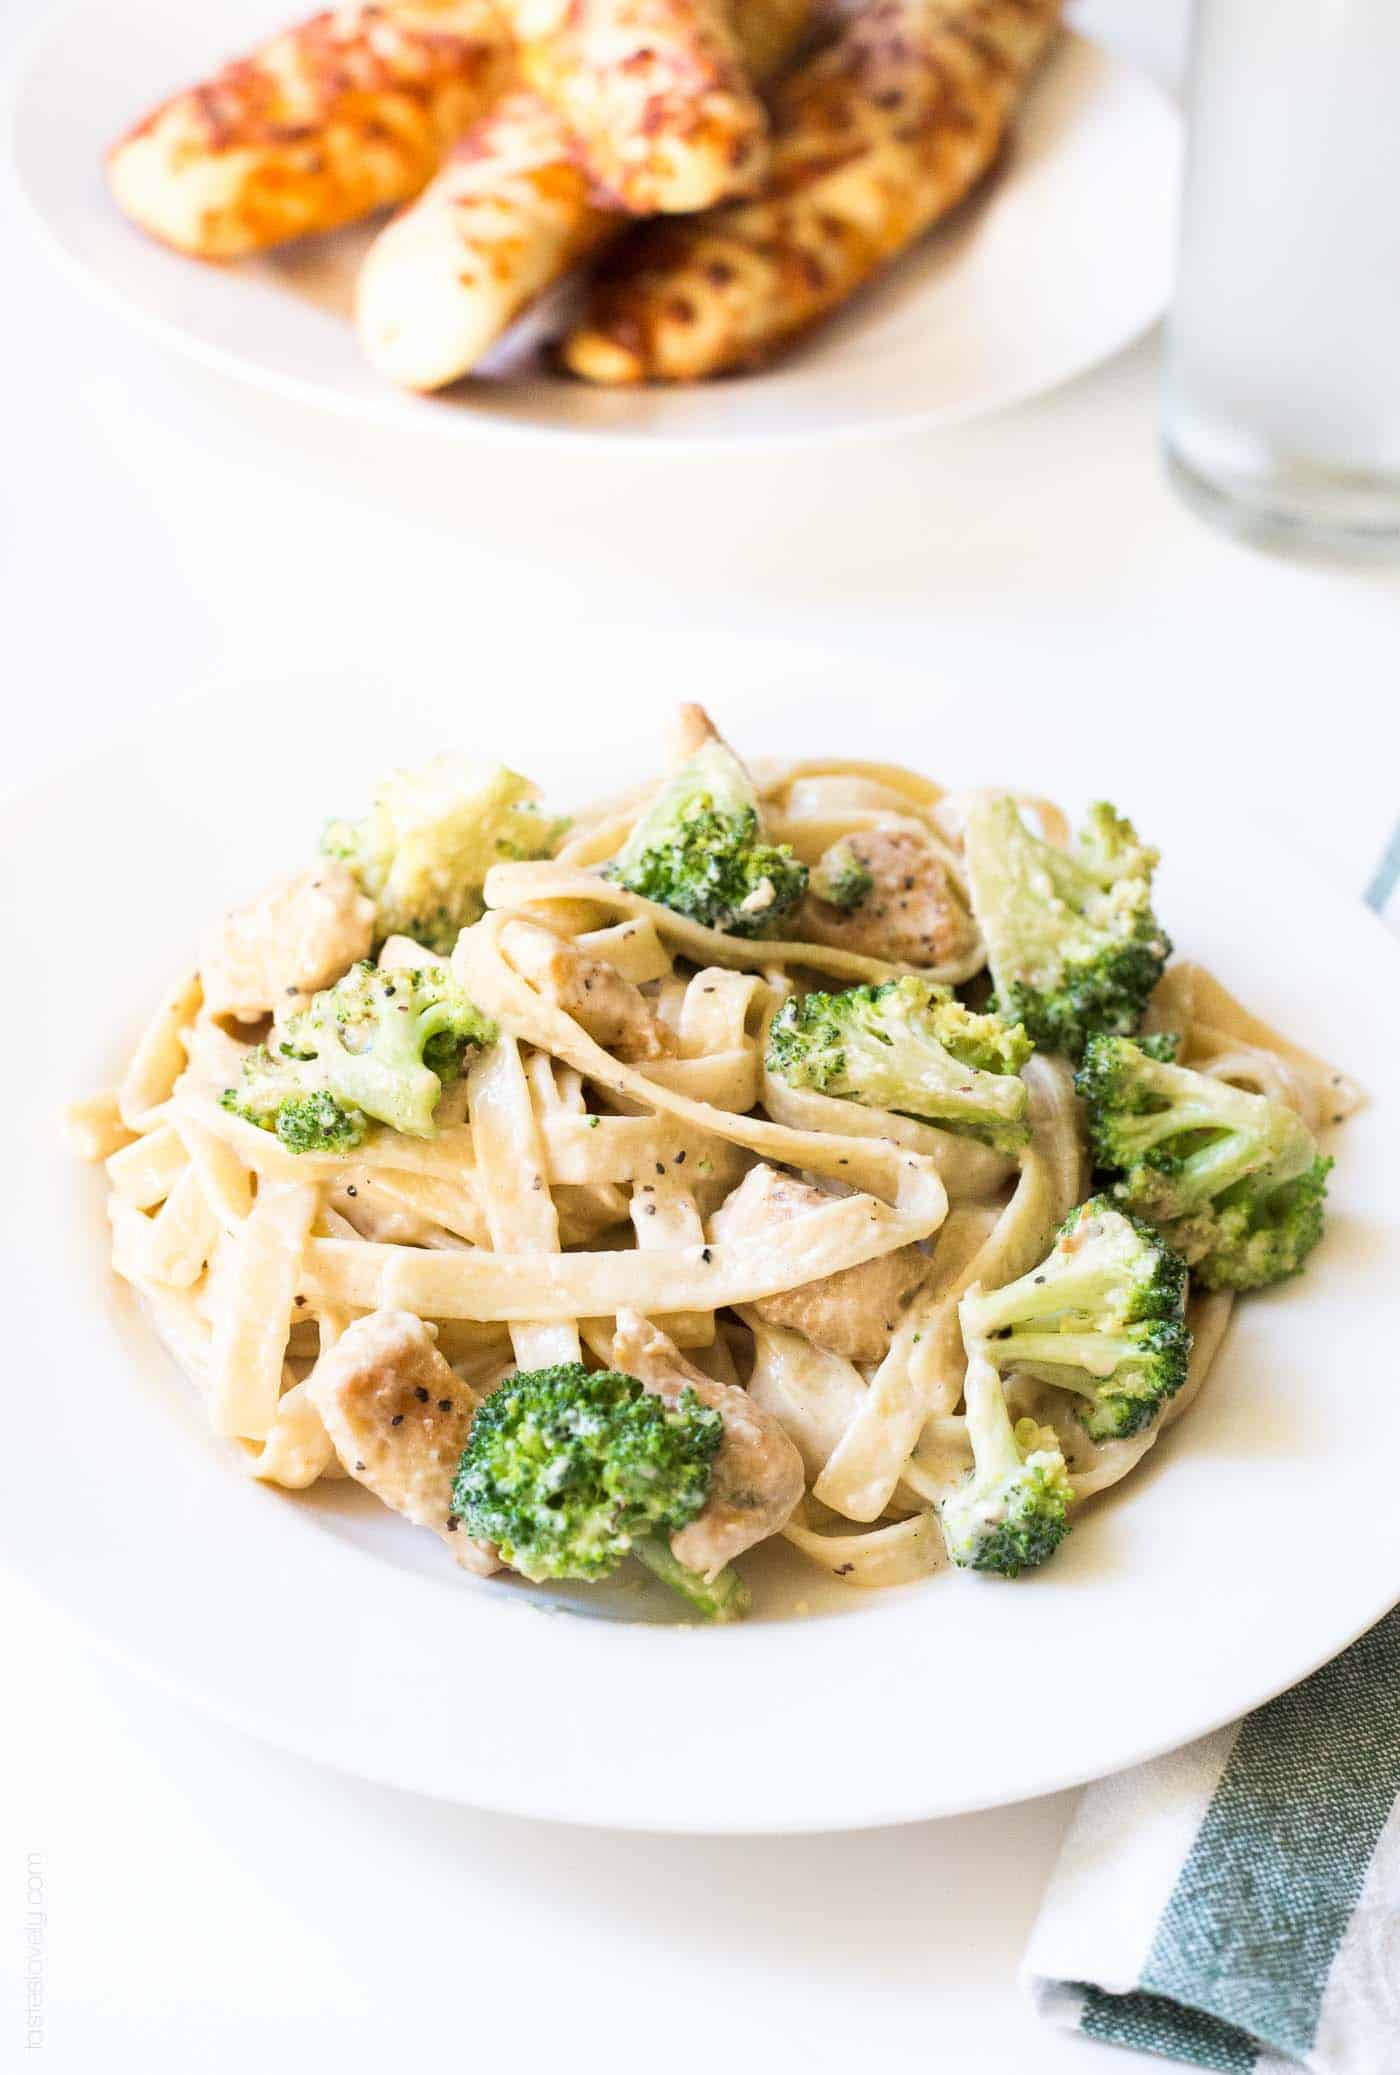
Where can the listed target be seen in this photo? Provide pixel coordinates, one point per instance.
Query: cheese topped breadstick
(511, 210)
(874, 139)
(654, 91)
(347, 112)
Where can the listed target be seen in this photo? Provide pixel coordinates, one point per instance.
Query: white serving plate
(1258, 1539)
(1063, 259)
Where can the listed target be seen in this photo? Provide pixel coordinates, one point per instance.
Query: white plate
(1063, 261)
(1259, 1538)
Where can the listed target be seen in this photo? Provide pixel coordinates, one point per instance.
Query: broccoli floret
(304, 1123)
(1102, 1316)
(698, 849)
(1011, 1512)
(569, 1470)
(1234, 1180)
(1159, 1044)
(840, 879)
(1072, 941)
(379, 1044)
(906, 1045)
(422, 852)
(722, 1598)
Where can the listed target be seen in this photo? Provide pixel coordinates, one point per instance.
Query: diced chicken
(852, 1313)
(615, 1013)
(911, 915)
(302, 934)
(693, 729)
(398, 1419)
(757, 1477)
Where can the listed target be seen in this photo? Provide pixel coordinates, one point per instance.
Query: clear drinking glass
(1281, 414)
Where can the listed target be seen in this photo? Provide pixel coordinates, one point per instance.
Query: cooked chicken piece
(615, 1014)
(346, 112)
(873, 140)
(912, 914)
(303, 933)
(757, 1477)
(510, 212)
(692, 729)
(398, 1419)
(852, 1313)
(656, 93)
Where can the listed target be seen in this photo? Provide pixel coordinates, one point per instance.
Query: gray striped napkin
(1236, 1905)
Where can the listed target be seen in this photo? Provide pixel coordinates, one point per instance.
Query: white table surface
(215, 1905)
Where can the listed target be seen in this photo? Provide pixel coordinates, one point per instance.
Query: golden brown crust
(508, 213)
(347, 112)
(873, 140)
(656, 93)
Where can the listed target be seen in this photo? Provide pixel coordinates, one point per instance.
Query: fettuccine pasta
(620, 1157)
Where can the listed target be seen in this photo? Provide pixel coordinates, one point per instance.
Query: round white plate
(1060, 262)
(1257, 1540)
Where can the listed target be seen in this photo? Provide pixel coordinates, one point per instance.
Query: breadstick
(347, 112)
(874, 139)
(508, 215)
(655, 93)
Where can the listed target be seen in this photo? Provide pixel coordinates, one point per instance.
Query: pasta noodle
(250, 1330)
(568, 1184)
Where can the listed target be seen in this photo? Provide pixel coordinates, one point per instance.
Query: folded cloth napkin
(1237, 1904)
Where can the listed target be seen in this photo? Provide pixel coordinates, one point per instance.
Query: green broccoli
(698, 849)
(723, 1598)
(1102, 1316)
(840, 879)
(1072, 941)
(906, 1045)
(1234, 1180)
(1011, 1512)
(423, 851)
(569, 1470)
(377, 1045)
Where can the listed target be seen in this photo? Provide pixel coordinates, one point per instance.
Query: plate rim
(391, 409)
(897, 1814)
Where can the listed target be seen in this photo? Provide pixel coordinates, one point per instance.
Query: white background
(215, 1905)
